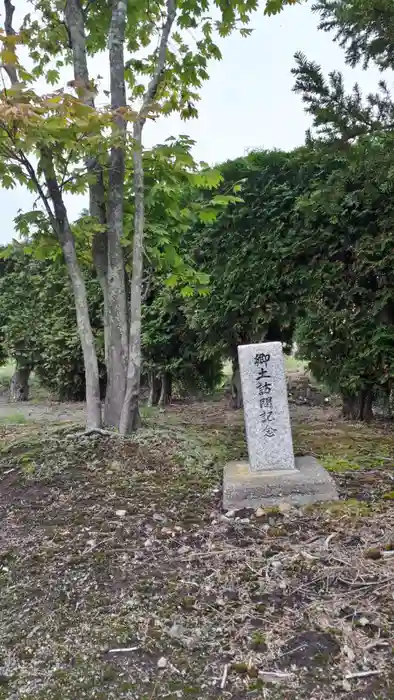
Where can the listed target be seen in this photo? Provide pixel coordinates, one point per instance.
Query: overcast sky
(248, 102)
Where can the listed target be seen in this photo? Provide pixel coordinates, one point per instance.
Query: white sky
(248, 102)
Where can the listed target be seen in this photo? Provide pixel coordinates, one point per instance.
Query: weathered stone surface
(267, 420)
(272, 477)
(307, 483)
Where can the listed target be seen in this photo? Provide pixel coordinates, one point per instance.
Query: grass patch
(335, 464)
(292, 364)
(342, 446)
(16, 418)
(6, 372)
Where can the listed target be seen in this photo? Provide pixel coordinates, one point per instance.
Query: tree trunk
(368, 412)
(387, 389)
(97, 205)
(118, 348)
(166, 389)
(350, 406)
(154, 390)
(63, 230)
(19, 385)
(100, 242)
(358, 407)
(130, 419)
(93, 403)
(236, 389)
(130, 413)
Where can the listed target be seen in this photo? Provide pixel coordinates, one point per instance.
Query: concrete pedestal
(308, 483)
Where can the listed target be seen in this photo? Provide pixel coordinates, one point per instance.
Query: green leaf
(171, 281)
(273, 7)
(187, 291)
(207, 215)
(7, 181)
(52, 76)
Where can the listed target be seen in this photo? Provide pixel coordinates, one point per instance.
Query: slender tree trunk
(93, 404)
(358, 406)
(350, 406)
(97, 204)
(118, 347)
(130, 418)
(387, 389)
(166, 389)
(154, 389)
(19, 385)
(130, 413)
(368, 411)
(100, 243)
(236, 389)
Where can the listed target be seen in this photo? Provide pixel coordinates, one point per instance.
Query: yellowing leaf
(8, 57)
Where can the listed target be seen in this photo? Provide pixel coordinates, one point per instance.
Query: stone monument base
(308, 483)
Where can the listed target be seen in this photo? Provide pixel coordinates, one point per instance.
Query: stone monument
(273, 475)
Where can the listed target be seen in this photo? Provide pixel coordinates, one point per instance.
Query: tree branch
(18, 154)
(10, 31)
(151, 91)
(9, 13)
(38, 186)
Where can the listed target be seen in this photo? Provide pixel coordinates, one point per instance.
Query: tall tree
(28, 123)
(161, 79)
(364, 29)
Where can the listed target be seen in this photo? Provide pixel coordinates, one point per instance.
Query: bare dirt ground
(120, 577)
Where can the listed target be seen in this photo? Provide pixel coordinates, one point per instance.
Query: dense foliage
(249, 299)
(172, 349)
(38, 323)
(311, 246)
(347, 332)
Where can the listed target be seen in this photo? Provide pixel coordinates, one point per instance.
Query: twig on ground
(328, 540)
(123, 650)
(309, 556)
(362, 674)
(376, 643)
(366, 584)
(224, 677)
(275, 675)
(203, 555)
